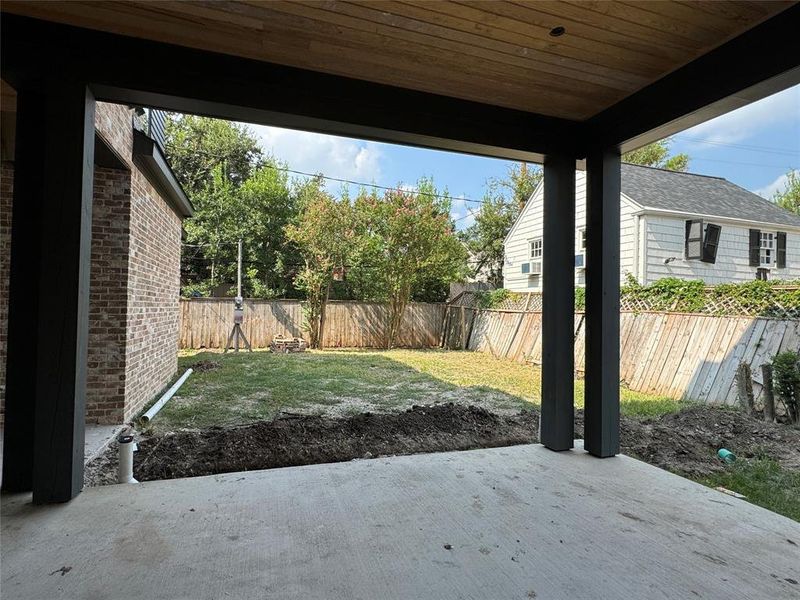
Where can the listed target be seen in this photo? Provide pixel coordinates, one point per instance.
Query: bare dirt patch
(685, 442)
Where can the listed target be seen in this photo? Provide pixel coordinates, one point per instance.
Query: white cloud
(742, 123)
(778, 185)
(330, 155)
(463, 212)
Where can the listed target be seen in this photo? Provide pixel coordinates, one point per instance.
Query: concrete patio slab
(512, 523)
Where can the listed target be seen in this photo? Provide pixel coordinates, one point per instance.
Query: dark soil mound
(302, 440)
(685, 442)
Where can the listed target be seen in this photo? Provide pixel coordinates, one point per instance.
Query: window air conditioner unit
(535, 268)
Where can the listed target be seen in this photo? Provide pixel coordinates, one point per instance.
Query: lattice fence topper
(780, 306)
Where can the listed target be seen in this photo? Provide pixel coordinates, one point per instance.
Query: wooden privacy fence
(207, 322)
(680, 355)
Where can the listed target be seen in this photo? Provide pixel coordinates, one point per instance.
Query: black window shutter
(755, 247)
(781, 239)
(694, 239)
(711, 243)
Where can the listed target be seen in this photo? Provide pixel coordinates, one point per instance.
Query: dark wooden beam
(558, 303)
(768, 51)
(23, 302)
(64, 191)
(136, 71)
(601, 401)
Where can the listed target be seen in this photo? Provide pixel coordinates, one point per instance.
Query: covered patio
(558, 83)
(519, 522)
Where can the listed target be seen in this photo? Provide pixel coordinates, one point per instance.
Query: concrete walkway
(506, 523)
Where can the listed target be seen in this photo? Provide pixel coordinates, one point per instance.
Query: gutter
(149, 158)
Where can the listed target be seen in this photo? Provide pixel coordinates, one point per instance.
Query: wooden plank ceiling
(500, 53)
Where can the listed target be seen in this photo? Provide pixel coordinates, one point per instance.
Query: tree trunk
(769, 396)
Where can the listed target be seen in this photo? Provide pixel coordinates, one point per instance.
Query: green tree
(789, 197)
(324, 234)
(215, 226)
(268, 203)
(501, 205)
(657, 155)
(520, 182)
(408, 240)
(237, 193)
(195, 146)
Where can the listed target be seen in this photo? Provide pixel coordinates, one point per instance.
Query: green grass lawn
(249, 387)
(764, 482)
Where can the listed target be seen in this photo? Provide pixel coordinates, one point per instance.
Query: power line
(736, 162)
(748, 147)
(373, 185)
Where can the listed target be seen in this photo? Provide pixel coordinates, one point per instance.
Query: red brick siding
(153, 295)
(111, 209)
(134, 282)
(114, 122)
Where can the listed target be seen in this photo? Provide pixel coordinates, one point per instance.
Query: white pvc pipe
(146, 417)
(125, 469)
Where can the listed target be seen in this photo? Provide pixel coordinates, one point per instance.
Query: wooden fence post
(744, 387)
(769, 396)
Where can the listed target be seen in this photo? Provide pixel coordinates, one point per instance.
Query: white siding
(529, 226)
(665, 239)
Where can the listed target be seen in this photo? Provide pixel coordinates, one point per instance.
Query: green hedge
(764, 298)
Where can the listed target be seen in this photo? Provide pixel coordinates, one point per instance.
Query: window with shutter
(694, 239)
(766, 256)
(755, 248)
(711, 243)
(781, 251)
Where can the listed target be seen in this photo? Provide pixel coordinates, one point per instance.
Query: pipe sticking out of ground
(148, 416)
(127, 446)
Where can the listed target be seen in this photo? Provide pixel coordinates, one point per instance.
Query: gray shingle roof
(699, 194)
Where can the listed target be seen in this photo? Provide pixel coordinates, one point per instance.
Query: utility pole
(239, 272)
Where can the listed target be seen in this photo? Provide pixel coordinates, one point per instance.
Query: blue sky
(753, 147)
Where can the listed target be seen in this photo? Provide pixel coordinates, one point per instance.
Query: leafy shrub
(786, 378)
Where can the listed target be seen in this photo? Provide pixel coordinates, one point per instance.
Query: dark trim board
(147, 156)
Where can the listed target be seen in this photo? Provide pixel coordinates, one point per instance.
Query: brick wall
(134, 282)
(105, 385)
(153, 295)
(6, 193)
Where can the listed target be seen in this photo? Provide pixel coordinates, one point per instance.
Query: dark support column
(601, 413)
(558, 302)
(50, 288)
(23, 302)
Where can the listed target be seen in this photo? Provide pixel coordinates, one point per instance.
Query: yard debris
(725, 490)
(286, 345)
(201, 366)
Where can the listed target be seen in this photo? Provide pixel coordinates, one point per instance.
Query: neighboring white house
(672, 225)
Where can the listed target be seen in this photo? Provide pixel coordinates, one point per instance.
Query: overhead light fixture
(557, 31)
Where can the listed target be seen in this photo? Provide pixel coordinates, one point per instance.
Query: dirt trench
(685, 442)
